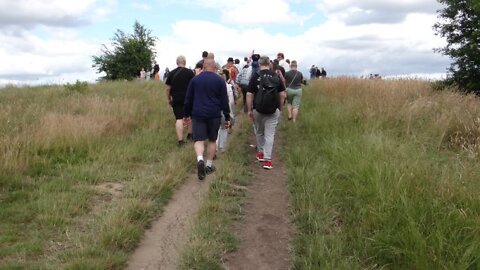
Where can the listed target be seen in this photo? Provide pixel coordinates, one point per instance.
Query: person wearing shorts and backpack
(265, 95)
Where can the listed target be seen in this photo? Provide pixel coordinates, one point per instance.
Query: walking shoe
(210, 169)
(181, 143)
(189, 137)
(201, 170)
(260, 157)
(267, 164)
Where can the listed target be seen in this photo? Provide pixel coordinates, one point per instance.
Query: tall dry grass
(452, 118)
(384, 175)
(57, 120)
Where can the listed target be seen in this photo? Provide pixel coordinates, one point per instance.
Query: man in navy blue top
(205, 101)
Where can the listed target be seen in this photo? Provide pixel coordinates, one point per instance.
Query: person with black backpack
(266, 93)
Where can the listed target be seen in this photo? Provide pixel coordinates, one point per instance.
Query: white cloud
(372, 11)
(250, 12)
(48, 12)
(262, 12)
(388, 49)
(30, 58)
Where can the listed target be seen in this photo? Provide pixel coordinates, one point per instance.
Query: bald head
(209, 65)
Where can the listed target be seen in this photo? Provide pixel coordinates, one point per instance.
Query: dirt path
(162, 243)
(266, 231)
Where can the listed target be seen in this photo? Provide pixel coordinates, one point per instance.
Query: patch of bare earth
(266, 232)
(162, 244)
(110, 188)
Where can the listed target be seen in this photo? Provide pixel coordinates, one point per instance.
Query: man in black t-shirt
(265, 124)
(177, 84)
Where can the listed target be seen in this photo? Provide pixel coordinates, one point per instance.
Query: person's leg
(259, 130)
(179, 129)
(199, 129)
(244, 97)
(294, 115)
(290, 94)
(296, 103)
(271, 123)
(189, 134)
(199, 147)
(178, 111)
(213, 126)
(211, 148)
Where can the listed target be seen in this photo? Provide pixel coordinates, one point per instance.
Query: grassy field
(83, 170)
(385, 175)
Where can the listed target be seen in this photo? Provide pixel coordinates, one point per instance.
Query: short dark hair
(237, 61)
(199, 64)
(204, 54)
(245, 59)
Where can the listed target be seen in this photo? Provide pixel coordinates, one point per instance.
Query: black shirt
(294, 79)
(178, 80)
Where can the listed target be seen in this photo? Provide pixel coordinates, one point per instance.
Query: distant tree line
(127, 55)
(460, 24)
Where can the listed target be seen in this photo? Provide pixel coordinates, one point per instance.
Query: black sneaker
(210, 169)
(201, 172)
(181, 143)
(189, 137)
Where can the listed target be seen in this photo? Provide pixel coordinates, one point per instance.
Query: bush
(78, 86)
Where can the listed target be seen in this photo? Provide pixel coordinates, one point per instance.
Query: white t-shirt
(284, 65)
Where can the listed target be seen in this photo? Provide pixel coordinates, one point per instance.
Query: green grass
(211, 236)
(383, 175)
(56, 146)
(373, 188)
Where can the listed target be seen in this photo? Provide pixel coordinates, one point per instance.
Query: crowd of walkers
(203, 102)
(317, 73)
(152, 73)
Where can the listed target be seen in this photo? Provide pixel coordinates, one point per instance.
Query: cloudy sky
(52, 41)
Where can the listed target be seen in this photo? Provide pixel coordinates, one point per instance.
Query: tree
(460, 25)
(129, 54)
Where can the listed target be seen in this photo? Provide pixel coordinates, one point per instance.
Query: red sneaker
(267, 164)
(260, 157)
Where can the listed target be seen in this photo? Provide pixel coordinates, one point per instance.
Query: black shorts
(178, 111)
(204, 129)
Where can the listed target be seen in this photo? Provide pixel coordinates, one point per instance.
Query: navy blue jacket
(207, 97)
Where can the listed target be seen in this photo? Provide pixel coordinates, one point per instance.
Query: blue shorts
(203, 129)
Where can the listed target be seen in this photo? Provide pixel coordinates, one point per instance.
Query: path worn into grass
(266, 232)
(163, 242)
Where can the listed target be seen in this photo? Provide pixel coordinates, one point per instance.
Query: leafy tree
(460, 25)
(128, 55)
